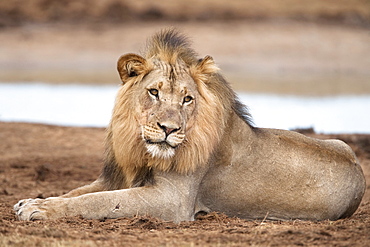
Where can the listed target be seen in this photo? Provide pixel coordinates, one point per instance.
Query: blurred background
(296, 64)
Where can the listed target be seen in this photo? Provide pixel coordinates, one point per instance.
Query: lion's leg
(95, 186)
(171, 198)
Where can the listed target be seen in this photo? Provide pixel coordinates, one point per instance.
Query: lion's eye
(188, 99)
(153, 92)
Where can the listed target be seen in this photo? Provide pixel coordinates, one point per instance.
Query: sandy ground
(42, 161)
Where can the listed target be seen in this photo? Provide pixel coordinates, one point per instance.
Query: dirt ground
(41, 161)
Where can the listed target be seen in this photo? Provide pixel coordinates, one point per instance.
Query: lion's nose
(168, 128)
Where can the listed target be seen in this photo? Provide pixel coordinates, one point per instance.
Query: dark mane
(242, 111)
(170, 45)
(228, 93)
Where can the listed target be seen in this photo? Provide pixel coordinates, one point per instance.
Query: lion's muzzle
(162, 139)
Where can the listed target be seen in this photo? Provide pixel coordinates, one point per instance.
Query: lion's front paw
(29, 209)
(39, 209)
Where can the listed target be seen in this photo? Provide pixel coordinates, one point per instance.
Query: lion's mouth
(161, 149)
(162, 144)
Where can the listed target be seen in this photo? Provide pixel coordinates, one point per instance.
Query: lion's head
(166, 101)
(171, 110)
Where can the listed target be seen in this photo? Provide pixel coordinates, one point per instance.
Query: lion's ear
(131, 65)
(204, 69)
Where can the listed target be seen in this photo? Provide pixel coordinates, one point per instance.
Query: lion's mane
(127, 163)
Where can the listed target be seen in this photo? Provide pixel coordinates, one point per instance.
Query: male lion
(179, 142)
